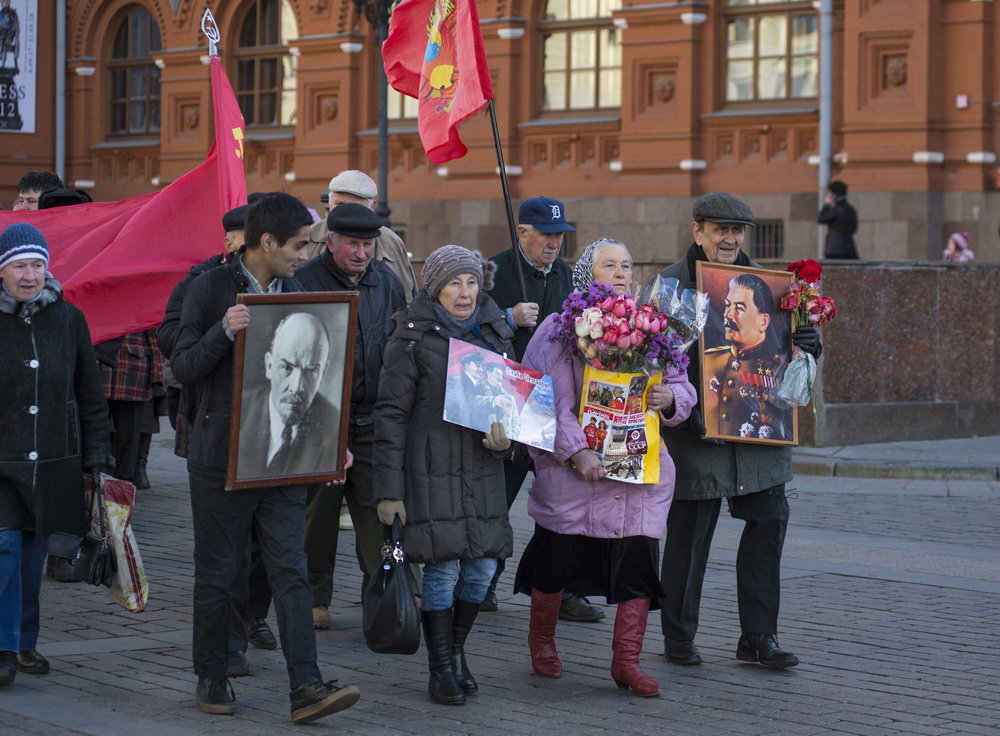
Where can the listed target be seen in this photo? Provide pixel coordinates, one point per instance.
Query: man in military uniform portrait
(745, 373)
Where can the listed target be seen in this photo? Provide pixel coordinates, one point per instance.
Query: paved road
(891, 600)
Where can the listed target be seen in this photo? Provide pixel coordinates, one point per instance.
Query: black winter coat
(453, 487)
(712, 468)
(842, 221)
(381, 297)
(203, 357)
(168, 330)
(53, 413)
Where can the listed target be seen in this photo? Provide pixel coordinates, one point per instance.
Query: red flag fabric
(434, 52)
(119, 261)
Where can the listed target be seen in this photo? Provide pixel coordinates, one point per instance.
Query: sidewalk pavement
(973, 458)
(891, 599)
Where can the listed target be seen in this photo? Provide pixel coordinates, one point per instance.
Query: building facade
(625, 110)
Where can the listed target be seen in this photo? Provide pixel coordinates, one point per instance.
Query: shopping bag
(391, 619)
(128, 585)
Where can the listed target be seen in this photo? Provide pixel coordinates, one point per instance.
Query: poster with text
(18, 69)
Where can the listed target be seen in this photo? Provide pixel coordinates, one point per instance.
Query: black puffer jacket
(53, 413)
(452, 486)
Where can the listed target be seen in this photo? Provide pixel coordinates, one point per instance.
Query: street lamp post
(377, 12)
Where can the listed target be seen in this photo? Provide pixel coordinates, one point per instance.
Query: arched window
(772, 49)
(134, 80)
(581, 55)
(265, 71)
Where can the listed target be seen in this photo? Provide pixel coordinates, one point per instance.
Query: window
(400, 106)
(772, 50)
(767, 239)
(581, 55)
(265, 71)
(134, 80)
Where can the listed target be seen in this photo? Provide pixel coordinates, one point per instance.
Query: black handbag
(391, 619)
(94, 560)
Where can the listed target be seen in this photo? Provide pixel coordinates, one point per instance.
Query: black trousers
(690, 528)
(127, 420)
(222, 527)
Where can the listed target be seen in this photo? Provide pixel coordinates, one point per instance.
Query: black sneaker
(577, 608)
(31, 662)
(314, 700)
(215, 696)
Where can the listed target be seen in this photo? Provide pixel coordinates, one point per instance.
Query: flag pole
(211, 30)
(518, 267)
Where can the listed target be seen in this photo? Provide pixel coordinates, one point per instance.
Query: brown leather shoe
(321, 617)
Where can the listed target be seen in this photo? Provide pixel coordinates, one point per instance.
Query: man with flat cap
(348, 264)
(548, 280)
(356, 187)
(750, 476)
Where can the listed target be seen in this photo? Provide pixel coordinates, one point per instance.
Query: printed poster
(18, 47)
(617, 426)
(484, 387)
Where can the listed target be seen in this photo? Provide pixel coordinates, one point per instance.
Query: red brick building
(626, 110)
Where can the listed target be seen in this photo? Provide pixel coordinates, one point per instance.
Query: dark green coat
(716, 469)
(547, 291)
(53, 413)
(452, 486)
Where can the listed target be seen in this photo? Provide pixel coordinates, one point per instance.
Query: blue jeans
(21, 564)
(466, 580)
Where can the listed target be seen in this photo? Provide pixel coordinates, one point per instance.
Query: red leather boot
(630, 628)
(542, 633)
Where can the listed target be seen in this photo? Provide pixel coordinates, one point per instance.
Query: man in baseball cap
(356, 187)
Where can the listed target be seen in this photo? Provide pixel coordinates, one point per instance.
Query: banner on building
(18, 46)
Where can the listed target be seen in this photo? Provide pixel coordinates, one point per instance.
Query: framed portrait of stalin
(744, 350)
(292, 389)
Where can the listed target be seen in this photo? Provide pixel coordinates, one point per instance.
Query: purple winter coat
(563, 502)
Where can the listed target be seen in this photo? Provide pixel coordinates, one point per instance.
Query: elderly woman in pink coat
(593, 535)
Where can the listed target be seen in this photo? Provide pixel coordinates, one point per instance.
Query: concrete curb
(911, 471)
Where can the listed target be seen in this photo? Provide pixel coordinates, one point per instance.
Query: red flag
(119, 261)
(434, 52)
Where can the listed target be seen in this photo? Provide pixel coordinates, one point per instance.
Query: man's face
(494, 378)
(24, 278)
(295, 366)
(538, 247)
(339, 198)
(284, 258)
(234, 239)
(720, 241)
(27, 200)
(746, 326)
(352, 255)
(474, 370)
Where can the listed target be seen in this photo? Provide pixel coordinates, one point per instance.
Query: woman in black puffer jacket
(444, 481)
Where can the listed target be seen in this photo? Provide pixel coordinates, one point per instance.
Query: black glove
(696, 423)
(807, 340)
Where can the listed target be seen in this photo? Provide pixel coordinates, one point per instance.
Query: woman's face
(459, 296)
(613, 267)
(24, 278)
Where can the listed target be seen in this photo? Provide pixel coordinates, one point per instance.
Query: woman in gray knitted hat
(444, 481)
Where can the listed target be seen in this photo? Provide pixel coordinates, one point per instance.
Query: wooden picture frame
(280, 373)
(743, 354)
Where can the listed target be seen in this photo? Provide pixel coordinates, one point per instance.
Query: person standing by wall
(841, 220)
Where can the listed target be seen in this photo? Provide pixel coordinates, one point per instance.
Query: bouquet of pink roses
(611, 332)
(809, 307)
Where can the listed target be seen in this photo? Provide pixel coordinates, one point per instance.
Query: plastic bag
(128, 585)
(686, 308)
(796, 384)
(390, 617)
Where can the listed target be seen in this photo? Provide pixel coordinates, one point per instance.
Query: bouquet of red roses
(810, 307)
(611, 332)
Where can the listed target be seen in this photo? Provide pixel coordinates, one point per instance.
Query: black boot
(465, 616)
(438, 636)
(764, 648)
(142, 456)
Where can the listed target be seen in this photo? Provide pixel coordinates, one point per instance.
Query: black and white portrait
(293, 391)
